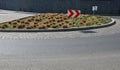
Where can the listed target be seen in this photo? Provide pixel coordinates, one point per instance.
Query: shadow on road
(87, 31)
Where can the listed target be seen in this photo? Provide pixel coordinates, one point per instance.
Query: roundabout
(114, 29)
(87, 31)
(65, 50)
(51, 22)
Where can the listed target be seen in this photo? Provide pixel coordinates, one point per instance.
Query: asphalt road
(87, 53)
(97, 49)
(66, 46)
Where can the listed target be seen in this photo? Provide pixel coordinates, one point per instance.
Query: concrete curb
(61, 30)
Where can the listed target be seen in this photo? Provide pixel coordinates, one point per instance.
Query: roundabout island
(48, 22)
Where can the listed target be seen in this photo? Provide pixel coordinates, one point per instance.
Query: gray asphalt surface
(90, 53)
(64, 46)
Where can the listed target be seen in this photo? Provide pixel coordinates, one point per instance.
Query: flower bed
(54, 21)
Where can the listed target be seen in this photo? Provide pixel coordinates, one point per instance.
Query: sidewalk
(6, 15)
